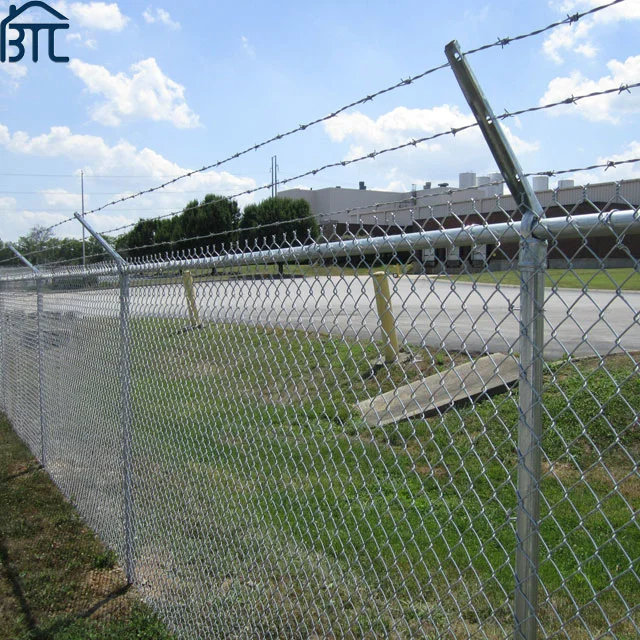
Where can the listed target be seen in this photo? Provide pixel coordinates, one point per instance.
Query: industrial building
(342, 212)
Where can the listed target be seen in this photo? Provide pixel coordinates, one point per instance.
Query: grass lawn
(263, 496)
(56, 579)
(609, 279)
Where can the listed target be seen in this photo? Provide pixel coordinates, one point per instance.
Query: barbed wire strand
(501, 42)
(412, 143)
(374, 154)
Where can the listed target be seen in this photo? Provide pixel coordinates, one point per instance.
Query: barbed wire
(501, 42)
(570, 19)
(412, 200)
(411, 143)
(567, 101)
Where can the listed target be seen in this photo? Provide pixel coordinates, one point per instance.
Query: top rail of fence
(597, 224)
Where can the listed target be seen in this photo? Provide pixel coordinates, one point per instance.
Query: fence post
(192, 307)
(385, 312)
(39, 310)
(125, 400)
(532, 262)
(3, 365)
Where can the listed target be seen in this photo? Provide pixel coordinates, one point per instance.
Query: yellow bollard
(385, 311)
(190, 294)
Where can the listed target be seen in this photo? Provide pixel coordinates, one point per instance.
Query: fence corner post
(125, 400)
(532, 262)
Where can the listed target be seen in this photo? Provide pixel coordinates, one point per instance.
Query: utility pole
(274, 176)
(84, 254)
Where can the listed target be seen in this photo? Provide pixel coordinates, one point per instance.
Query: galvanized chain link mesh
(289, 480)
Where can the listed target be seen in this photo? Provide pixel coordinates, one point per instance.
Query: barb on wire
(501, 42)
(374, 154)
(570, 19)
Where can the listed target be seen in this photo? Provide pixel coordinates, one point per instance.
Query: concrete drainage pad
(464, 382)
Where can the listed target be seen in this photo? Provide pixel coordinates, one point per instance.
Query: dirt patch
(623, 479)
(56, 578)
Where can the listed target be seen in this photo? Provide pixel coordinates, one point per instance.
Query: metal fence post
(125, 386)
(532, 261)
(39, 310)
(3, 365)
(43, 418)
(125, 401)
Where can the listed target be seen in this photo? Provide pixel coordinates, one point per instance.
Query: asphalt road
(429, 311)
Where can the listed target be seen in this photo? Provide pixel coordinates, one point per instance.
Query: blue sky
(155, 89)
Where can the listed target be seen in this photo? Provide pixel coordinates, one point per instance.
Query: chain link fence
(292, 451)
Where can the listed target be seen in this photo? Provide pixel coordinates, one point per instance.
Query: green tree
(7, 257)
(283, 218)
(38, 243)
(211, 222)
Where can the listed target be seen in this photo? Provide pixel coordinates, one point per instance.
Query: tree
(135, 242)
(283, 218)
(211, 222)
(36, 242)
(7, 257)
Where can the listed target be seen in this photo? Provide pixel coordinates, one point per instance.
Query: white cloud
(6, 204)
(611, 107)
(402, 125)
(614, 173)
(439, 160)
(160, 16)
(576, 36)
(62, 198)
(14, 73)
(93, 15)
(98, 157)
(145, 93)
(248, 49)
(89, 43)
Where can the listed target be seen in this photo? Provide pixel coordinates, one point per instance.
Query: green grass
(258, 426)
(609, 279)
(57, 581)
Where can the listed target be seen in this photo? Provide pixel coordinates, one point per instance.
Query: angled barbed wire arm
(532, 263)
(125, 398)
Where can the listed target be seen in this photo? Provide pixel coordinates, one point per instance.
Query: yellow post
(385, 311)
(189, 293)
